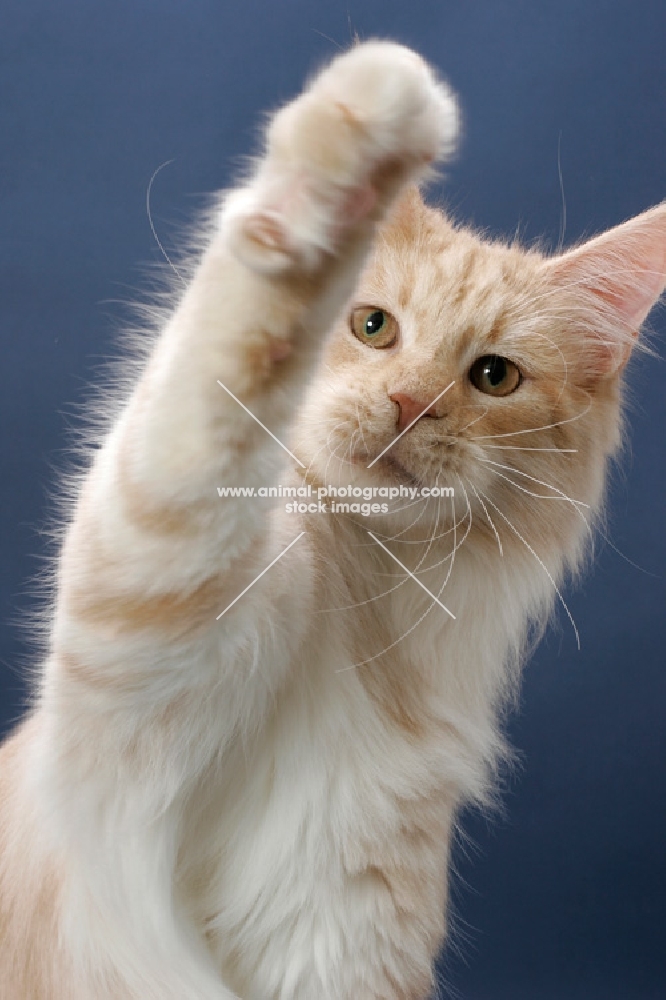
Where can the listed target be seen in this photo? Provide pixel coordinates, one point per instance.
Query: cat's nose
(410, 410)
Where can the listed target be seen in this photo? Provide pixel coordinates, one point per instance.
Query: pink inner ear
(626, 269)
(634, 297)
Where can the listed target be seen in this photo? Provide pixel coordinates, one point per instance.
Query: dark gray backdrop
(563, 899)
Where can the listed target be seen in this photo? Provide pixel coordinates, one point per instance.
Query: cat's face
(521, 354)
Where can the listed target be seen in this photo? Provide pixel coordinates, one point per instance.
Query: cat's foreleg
(154, 551)
(144, 686)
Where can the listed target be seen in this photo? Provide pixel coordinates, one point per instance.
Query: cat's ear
(614, 281)
(406, 213)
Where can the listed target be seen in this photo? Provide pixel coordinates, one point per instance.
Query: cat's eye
(374, 327)
(495, 375)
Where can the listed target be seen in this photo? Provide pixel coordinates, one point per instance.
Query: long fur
(219, 796)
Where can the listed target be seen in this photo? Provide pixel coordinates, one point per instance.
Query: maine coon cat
(256, 725)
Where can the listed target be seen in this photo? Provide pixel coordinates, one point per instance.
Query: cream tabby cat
(217, 797)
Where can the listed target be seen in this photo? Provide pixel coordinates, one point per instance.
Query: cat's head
(516, 359)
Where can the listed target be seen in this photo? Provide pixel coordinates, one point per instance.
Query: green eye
(374, 327)
(495, 375)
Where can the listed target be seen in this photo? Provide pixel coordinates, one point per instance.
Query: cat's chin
(389, 466)
(399, 472)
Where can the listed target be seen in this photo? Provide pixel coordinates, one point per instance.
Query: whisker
(456, 545)
(404, 577)
(391, 645)
(334, 453)
(421, 541)
(490, 520)
(324, 445)
(399, 510)
(518, 447)
(402, 637)
(396, 537)
(152, 224)
(621, 554)
(541, 563)
(476, 419)
(533, 430)
(549, 486)
(396, 642)
(541, 496)
(411, 503)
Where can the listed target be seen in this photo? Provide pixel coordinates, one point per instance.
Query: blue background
(564, 898)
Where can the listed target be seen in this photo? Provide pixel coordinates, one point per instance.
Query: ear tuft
(616, 279)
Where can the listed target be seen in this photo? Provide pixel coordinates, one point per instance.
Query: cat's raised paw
(371, 121)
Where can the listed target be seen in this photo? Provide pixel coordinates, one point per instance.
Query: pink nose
(409, 410)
